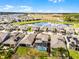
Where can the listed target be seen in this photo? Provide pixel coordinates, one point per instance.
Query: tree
(67, 18)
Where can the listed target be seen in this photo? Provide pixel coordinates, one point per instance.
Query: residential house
(57, 41)
(3, 36)
(41, 41)
(28, 40)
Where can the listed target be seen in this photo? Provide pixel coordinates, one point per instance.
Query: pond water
(45, 24)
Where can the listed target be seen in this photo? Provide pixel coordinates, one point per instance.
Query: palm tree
(48, 45)
(35, 37)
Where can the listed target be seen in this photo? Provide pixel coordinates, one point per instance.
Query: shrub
(9, 54)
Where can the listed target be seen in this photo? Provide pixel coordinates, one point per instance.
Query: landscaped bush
(9, 54)
(57, 52)
(29, 28)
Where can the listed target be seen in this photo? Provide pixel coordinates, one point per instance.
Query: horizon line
(42, 12)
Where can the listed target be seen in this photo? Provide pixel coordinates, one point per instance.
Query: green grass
(22, 51)
(43, 58)
(74, 54)
(74, 24)
(37, 21)
(27, 51)
(28, 22)
(29, 29)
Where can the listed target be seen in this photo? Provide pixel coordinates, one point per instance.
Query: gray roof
(14, 33)
(58, 44)
(43, 37)
(57, 41)
(38, 41)
(25, 40)
(28, 39)
(12, 38)
(1, 27)
(3, 36)
(10, 41)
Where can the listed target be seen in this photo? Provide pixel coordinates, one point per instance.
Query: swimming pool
(41, 48)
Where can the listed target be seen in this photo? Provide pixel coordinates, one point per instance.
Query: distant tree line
(74, 18)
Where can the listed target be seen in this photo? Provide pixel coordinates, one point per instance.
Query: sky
(44, 6)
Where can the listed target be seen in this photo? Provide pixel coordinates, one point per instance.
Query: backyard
(27, 51)
(34, 53)
(74, 54)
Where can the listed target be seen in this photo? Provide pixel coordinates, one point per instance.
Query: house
(8, 27)
(34, 28)
(25, 41)
(28, 40)
(57, 41)
(72, 42)
(13, 40)
(10, 42)
(70, 30)
(52, 29)
(61, 30)
(58, 44)
(14, 28)
(1, 28)
(41, 42)
(19, 37)
(43, 29)
(77, 30)
(23, 28)
(42, 36)
(14, 33)
(3, 36)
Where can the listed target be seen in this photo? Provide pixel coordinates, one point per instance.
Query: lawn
(22, 51)
(28, 22)
(74, 24)
(74, 54)
(35, 21)
(26, 51)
